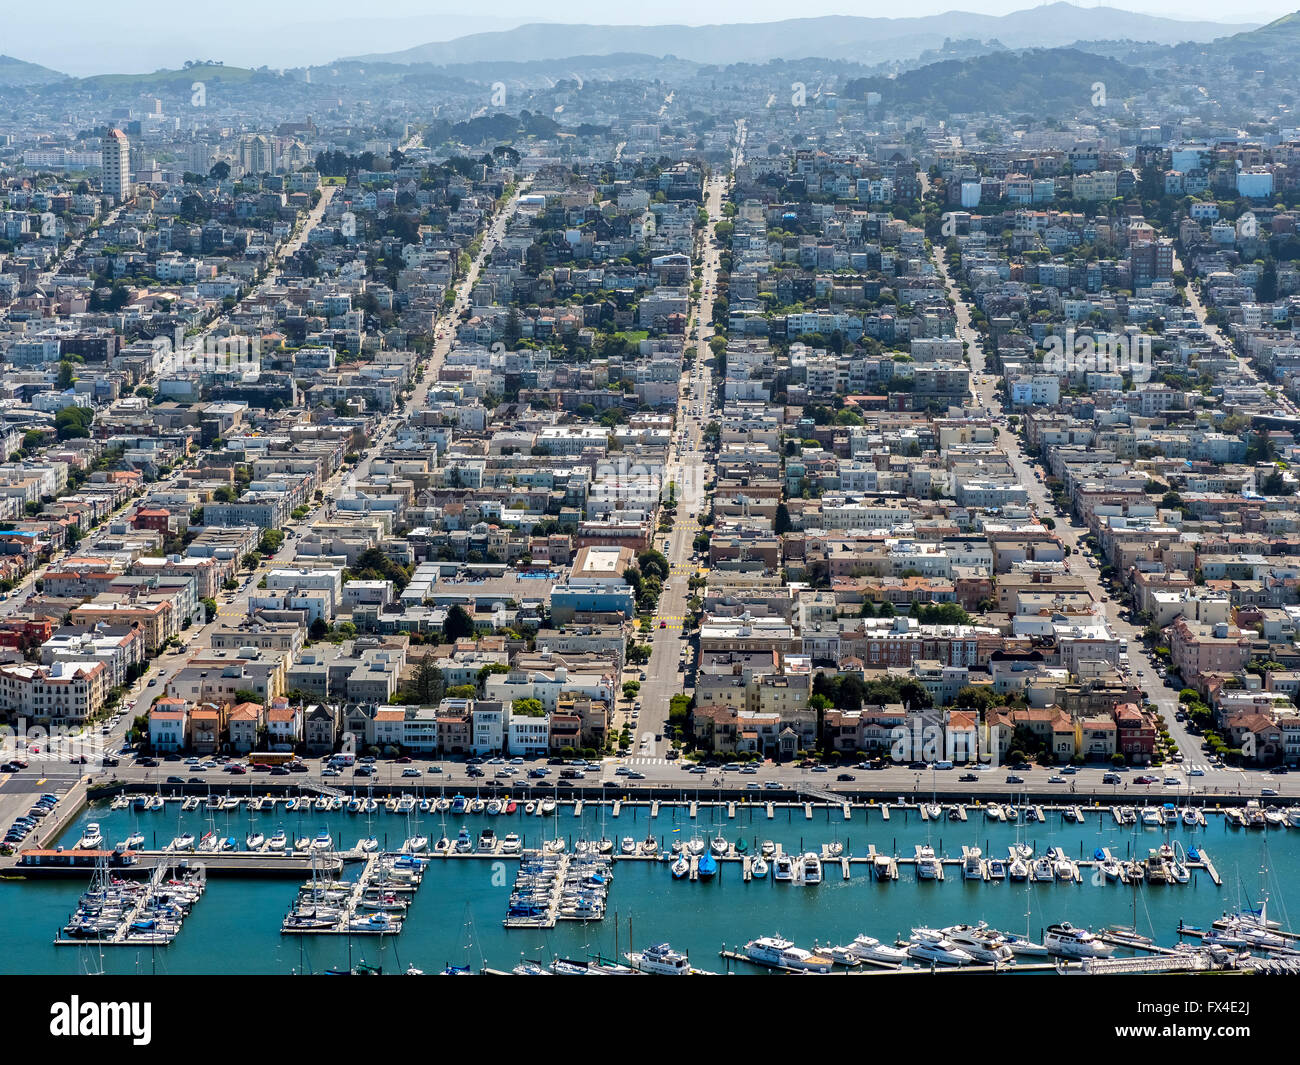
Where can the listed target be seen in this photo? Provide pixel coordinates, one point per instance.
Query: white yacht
(783, 869)
(773, 950)
(92, 838)
(1066, 941)
(839, 955)
(279, 841)
(994, 812)
(660, 960)
(927, 865)
(510, 844)
(811, 872)
(254, 841)
(928, 945)
(1153, 817)
(768, 849)
(871, 949)
(973, 867)
(997, 869)
(981, 942)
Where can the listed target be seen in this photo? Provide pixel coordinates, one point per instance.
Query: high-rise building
(117, 166)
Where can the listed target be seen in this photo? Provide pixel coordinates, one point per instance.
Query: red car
(1144, 780)
(663, 624)
(404, 760)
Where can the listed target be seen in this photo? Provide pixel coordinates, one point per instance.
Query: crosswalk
(646, 761)
(674, 621)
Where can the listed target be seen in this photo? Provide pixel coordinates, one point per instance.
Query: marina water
(456, 917)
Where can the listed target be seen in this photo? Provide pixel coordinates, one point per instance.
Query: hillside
(866, 40)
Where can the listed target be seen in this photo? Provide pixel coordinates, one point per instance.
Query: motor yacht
(926, 944)
(811, 869)
(660, 960)
(510, 844)
(997, 869)
(927, 865)
(783, 868)
(973, 866)
(92, 838)
(781, 953)
(1066, 941)
(982, 943)
(871, 949)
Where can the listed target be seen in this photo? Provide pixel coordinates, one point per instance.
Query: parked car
(846, 776)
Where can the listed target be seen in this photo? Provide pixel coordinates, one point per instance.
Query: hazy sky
(91, 37)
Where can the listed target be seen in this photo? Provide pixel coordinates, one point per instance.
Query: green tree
(458, 624)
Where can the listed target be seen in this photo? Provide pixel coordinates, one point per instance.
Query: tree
(653, 562)
(251, 560)
(781, 523)
(427, 681)
(458, 624)
(319, 629)
(528, 708)
(65, 377)
(210, 610)
(271, 542)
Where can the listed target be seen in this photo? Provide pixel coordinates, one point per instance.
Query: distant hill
(16, 72)
(866, 40)
(1044, 80)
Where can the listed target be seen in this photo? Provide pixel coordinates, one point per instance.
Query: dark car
(916, 765)
(8, 767)
(846, 776)
(150, 762)
(404, 760)
(363, 771)
(475, 771)
(279, 771)
(175, 780)
(1020, 767)
(1278, 770)
(297, 767)
(109, 760)
(968, 778)
(1013, 779)
(238, 770)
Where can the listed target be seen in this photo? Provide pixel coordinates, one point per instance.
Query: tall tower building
(117, 166)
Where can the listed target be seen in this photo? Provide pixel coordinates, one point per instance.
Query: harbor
(863, 874)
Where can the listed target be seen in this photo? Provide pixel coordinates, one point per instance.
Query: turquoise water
(456, 915)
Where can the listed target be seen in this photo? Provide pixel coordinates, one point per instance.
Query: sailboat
(415, 841)
(1024, 946)
(369, 844)
(255, 839)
